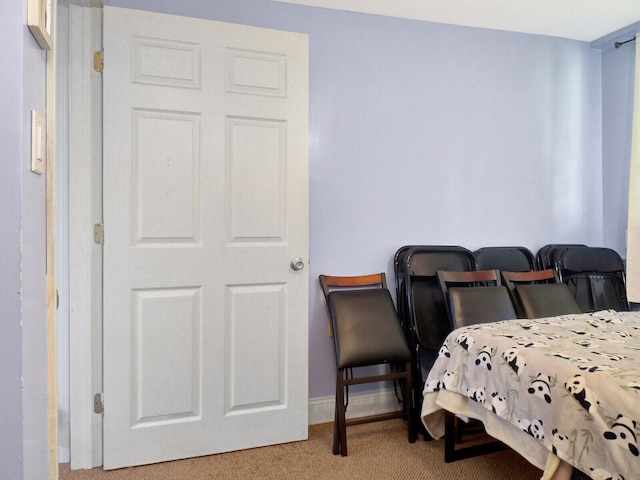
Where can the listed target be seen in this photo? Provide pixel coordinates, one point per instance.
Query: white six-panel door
(205, 205)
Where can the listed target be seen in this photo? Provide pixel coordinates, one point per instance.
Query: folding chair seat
(472, 298)
(367, 332)
(515, 259)
(540, 294)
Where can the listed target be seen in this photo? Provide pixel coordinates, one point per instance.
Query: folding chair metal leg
(336, 431)
(408, 405)
(450, 437)
(341, 422)
(408, 411)
(451, 453)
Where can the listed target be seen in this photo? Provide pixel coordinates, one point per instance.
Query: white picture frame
(39, 19)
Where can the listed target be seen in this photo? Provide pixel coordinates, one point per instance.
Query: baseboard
(321, 409)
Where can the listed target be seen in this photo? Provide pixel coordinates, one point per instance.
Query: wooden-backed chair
(540, 294)
(366, 332)
(472, 297)
(487, 301)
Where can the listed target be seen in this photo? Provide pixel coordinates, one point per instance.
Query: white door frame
(85, 260)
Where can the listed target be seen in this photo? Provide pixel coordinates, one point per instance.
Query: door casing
(85, 262)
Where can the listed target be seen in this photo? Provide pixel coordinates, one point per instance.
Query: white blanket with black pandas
(564, 387)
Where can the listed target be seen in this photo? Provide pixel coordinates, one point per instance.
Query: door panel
(166, 200)
(205, 203)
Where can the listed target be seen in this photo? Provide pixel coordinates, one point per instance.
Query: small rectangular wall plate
(38, 141)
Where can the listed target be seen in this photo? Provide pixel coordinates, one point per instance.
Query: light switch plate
(38, 141)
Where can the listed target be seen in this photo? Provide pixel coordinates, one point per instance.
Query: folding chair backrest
(546, 300)
(366, 327)
(595, 276)
(475, 297)
(512, 280)
(515, 259)
(420, 301)
(472, 305)
(545, 256)
(547, 275)
(402, 275)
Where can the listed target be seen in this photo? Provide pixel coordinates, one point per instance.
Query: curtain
(633, 228)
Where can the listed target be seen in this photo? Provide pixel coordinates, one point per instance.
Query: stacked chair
(420, 301)
(545, 256)
(595, 276)
(443, 287)
(421, 306)
(424, 311)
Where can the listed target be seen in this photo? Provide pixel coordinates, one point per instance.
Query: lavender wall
(11, 77)
(618, 84)
(23, 351)
(433, 134)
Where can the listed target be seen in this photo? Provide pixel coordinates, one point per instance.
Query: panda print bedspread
(568, 385)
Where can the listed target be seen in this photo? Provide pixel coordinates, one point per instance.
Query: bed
(564, 391)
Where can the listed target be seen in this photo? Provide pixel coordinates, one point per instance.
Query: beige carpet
(376, 451)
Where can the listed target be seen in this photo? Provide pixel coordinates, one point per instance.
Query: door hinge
(98, 61)
(98, 233)
(98, 403)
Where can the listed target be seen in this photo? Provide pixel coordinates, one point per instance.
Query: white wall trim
(321, 409)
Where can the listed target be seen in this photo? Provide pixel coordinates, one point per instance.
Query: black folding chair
(421, 305)
(595, 276)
